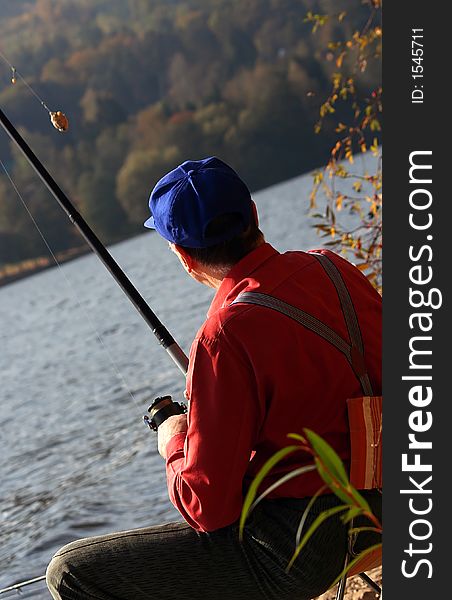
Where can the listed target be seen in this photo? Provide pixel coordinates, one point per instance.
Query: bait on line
(58, 119)
(165, 339)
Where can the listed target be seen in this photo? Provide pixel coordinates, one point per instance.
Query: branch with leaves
(359, 134)
(333, 473)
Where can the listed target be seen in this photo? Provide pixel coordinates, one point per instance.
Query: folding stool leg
(370, 582)
(343, 581)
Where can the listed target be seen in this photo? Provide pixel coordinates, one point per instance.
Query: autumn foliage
(358, 132)
(146, 85)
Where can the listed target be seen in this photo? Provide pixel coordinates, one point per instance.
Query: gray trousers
(174, 562)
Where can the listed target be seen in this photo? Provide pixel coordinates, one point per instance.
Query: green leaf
(252, 491)
(352, 513)
(306, 512)
(281, 480)
(328, 456)
(333, 485)
(326, 514)
(353, 530)
(297, 436)
(359, 499)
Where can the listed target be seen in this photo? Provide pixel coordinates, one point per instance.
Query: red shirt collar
(240, 271)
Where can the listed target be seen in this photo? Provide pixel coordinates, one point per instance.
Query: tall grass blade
(353, 562)
(306, 513)
(328, 456)
(283, 479)
(252, 491)
(326, 514)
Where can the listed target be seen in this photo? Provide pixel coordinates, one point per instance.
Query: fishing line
(59, 124)
(113, 363)
(159, 330)
(58, 118)
(164, 337)
(15, 74)
(69, 402)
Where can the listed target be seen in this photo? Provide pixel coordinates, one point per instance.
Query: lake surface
(78, 369)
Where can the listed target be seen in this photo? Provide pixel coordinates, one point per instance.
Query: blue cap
(189, 197)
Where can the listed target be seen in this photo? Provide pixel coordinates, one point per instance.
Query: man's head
(205, 212)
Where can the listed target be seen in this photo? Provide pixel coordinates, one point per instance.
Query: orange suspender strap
(364, 418)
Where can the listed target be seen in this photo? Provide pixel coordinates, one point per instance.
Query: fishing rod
(18, 586)
(158, 329)
(162, 407)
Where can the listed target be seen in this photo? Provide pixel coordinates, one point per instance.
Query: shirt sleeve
(205, 467)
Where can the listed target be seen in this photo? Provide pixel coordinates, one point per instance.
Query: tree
(99, 207)
(358, 131)
(137, 177)
(177, 81)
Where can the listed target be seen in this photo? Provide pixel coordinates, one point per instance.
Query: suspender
(353, 350)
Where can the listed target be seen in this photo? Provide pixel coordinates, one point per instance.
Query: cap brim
(149, 223)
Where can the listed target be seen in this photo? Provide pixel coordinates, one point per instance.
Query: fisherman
(255, 375)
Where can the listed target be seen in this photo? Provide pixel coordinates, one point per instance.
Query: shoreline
(26, 268)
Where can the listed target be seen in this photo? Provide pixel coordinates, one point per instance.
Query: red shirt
(256, 375)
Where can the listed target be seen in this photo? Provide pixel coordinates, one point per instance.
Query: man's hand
(169, 428)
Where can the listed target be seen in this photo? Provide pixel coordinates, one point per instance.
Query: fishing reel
(162, 408)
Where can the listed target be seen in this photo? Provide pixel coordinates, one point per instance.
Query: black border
(409, 127)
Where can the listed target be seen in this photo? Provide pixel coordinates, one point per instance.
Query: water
(78, 367)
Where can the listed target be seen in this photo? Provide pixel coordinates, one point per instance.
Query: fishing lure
(59, 120)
